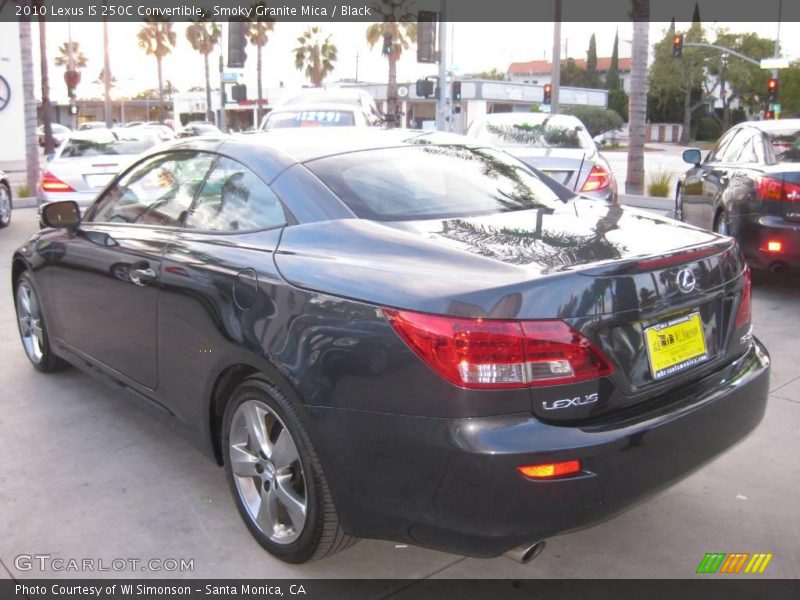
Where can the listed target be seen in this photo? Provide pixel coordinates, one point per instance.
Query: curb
(29, 202)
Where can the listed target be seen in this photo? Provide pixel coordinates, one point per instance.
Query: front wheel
(5, 205)
(32, 327)
(276, 478)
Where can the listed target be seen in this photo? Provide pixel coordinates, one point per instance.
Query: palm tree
(315, 54)
(157, 39)
(101, 79)
(258, 35)
(31, 145)
(396, 32)
(637, 104)
(49, 146)
(204, 36)
(78, 57)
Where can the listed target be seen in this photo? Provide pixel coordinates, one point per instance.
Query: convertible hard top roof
(270, 152)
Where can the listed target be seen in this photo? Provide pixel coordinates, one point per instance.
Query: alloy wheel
(29, 318)
(268, 472)
(5, 205)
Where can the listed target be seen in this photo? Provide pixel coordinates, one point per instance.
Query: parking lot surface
(86, 475)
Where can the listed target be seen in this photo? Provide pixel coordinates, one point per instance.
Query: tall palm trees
(396, 33)
(31, 146)
(78, 57)
(204, 36)
(258, 35)
(316, 54)
(157, 39)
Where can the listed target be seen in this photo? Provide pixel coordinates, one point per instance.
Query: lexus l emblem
(685, 281)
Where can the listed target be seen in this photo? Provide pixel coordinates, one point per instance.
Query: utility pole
(441, 101)
(107, 108)
(555, 76)
(223, 126)
(356, 66)
(71, 67)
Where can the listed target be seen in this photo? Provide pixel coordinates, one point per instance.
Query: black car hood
(504, 265)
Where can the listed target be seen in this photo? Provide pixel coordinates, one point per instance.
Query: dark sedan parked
(749, 187)
(400, 335)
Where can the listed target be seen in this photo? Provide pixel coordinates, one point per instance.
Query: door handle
(142, 276)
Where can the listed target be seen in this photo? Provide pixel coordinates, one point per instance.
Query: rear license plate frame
(690, 347)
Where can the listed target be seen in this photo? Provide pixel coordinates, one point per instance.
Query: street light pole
(555, 75)
(441, 101)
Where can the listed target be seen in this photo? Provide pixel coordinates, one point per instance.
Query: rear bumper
(758, 230)
(452, 484)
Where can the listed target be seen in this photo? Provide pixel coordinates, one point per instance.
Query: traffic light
(237, 40)
(426, 36)
(548, 90)
(456, 91)
(387, 44)
(769, 115)
(72, 79)
(677, 45)
(239, 92)
(772, 90)
(424, 88)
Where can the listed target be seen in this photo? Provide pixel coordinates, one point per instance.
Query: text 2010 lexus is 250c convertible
(400, 335)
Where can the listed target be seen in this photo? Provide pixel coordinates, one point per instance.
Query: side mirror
(49, 157)
(63, 214)
(692, 156)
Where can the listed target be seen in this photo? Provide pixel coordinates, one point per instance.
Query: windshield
(428, 181)
(786, 144)
(551, 132)
(81, 147)
(310, 118)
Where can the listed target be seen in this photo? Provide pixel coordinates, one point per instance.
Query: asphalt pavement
(86, 475)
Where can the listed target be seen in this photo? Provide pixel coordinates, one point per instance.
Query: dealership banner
(397, 589)
(373, 10)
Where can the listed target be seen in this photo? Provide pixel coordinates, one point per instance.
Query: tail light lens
(551, 470)
(743, 314)
(51, 183)
(495, 354)
(771, 189)
(599, 179)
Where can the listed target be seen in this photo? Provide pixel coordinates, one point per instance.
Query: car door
(694, 204)
(718, 177)
(218, 282)
(106, 281)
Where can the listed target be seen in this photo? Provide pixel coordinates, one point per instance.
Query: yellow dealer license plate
(675, 345)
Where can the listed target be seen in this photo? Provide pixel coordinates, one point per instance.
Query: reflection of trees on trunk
(550, 249)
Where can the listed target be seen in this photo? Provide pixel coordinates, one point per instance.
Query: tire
(5, 205)
(722, 225)
(269, 495)
(32, 326)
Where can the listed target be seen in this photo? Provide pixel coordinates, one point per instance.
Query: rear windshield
(77, 147)
(428, 181)
(550, 133)
(310, 118)
(786, 144)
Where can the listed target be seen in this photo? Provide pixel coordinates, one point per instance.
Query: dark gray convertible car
(399, 335)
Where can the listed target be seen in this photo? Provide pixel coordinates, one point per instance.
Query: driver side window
(158, 191)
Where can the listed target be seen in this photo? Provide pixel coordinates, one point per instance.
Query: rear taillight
(499, 354)
(51, 183)
(743, 314)
(771, 189)
(599, 179)
(551, 470)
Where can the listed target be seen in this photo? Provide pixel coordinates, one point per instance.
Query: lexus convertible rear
(400, 335)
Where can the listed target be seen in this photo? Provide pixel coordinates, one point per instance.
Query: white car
(335, 107)
(88, 160)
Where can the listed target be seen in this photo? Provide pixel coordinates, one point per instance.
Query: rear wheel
(5, 205)
(32, 327)
(276, 478)
(722, 224)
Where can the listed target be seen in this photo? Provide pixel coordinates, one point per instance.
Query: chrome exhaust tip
(527, 552)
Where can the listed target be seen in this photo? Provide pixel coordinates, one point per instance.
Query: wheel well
(223, 387)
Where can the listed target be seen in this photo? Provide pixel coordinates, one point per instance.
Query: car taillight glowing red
(598, 179)
(551, 470)
(499, 354)
(769, 188)
(743, 314)
(51, 183)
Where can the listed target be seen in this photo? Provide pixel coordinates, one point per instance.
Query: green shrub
(706, 129)
(596, 120)
(660, 185)
(618, 102)
(23, 191)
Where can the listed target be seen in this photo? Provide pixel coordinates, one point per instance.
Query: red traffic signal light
(72, 79)
(677, 45)
(548, 90)
(772, 90)
(769, 115)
